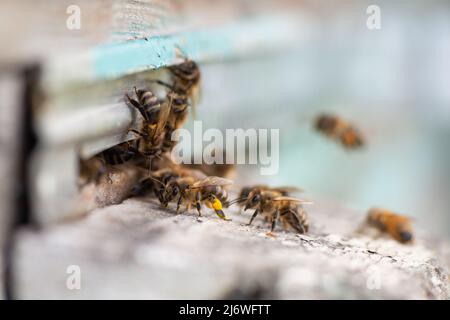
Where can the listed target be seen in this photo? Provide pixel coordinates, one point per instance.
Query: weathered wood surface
(136, 250)
(41, 28)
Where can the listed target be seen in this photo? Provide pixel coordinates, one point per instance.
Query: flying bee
(339, 129)
(276, 206)
(397, 226)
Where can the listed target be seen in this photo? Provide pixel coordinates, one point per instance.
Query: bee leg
(179, 203)
(253, 216)
(133, 150)
(101, 171)
(138, 106)
(300, 229)
(199, 210)
(159, 195)
(274, 220)
(299, 225)
(198, 203)
(165, 84)
(140, 134)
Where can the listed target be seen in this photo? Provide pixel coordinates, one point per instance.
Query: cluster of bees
(187, 187)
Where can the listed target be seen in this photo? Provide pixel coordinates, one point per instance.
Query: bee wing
(212, 181)
(164, 113)
(288, 189)
(302, 201)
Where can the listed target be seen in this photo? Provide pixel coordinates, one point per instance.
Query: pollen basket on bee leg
(217, 205)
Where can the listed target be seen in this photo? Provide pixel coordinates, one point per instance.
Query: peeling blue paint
(118, 59)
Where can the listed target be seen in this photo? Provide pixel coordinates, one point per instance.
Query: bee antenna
(156, 180)
(150, 166)
(236, 200)
(162, 83)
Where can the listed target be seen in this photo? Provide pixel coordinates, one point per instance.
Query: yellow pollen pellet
(217, 205)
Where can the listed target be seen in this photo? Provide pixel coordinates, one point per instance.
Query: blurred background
(392, 83)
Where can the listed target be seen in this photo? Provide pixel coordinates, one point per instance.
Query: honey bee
(339, 129)
(192, 192)
(276, 206)
(183, 92)
(397, 226)
(176, 119)
(188, 187)
(186, 79)
(156, 114)
(120, 153)
(142, 149)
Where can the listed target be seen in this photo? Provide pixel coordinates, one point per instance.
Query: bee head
(253, 200)
(405, 236)
(326, 122)
(171, 191)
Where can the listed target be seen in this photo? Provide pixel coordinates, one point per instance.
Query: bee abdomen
(147, 97)
(116, 155)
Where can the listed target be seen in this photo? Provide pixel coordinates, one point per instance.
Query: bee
(339, 129)
(183, 92)
(276, 206)
(155, 114)
(186, 79)
(120, 153)
(175, 121)
(397, 226)
(191, 191)
(149, 138)
(147, 143)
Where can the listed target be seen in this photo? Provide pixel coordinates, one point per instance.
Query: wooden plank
(136, 250)
(251, 37)
(41, 33)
